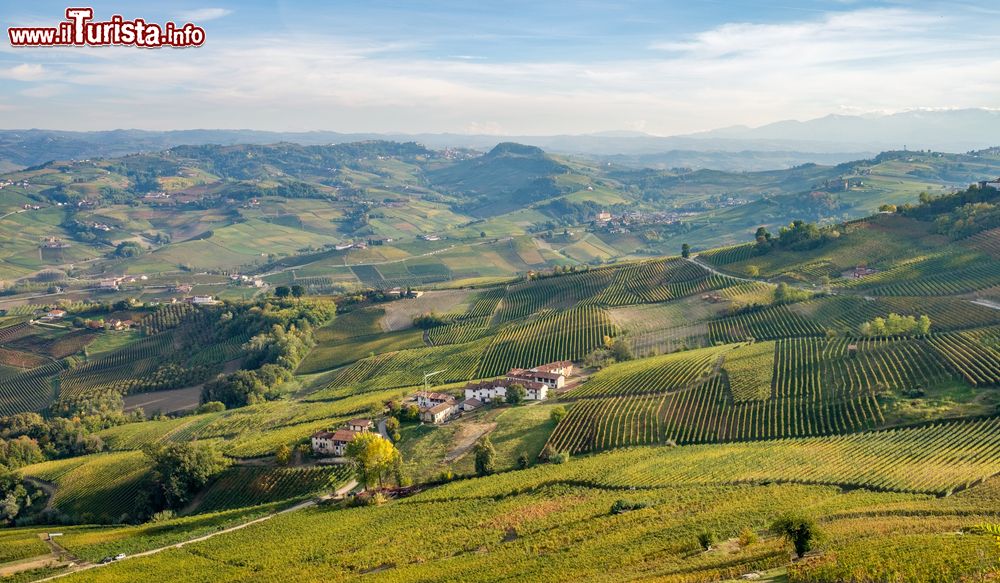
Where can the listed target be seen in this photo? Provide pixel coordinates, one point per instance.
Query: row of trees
(896, 325)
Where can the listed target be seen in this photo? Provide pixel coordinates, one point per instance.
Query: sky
(513, 67)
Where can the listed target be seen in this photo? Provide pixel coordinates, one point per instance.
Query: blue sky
(507, 67)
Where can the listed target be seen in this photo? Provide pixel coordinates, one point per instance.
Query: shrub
(621, 506)
(705, 539)
(557, 413)
(747, 536)
(559, 458)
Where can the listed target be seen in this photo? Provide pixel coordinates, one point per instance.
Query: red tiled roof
(439, 407)
(435, 396)
(549, 367)
(344, 435)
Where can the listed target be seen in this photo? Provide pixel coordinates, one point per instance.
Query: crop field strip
(937, 458)
(242, 486)
(986, 241)
(566, 335)
(706, 414)
(95, 488)
(971, 355)
(119, 369)
(31, 390)
(652, 375)
(406, 368)
(792, 387)
(766, 323)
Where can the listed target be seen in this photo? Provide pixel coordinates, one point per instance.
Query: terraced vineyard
(119, 369)
(767, 323)
(242, 486)
(938, 458)
(970, 355)
(706, 413)
(750, 370)
(567, 335)
(531, 297)
(406, 367)
(98, 488)
(30, 390)
(652, 375)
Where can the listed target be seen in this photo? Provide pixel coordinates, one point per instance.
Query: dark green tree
(515, 394)
(800, 530)
(282, 291)
(485, 456)
(685, 250)
(181, 469)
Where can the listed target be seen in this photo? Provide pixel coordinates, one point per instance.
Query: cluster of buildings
(115, 283)
(334, 443)
(626, 221)
(437, 408)
(246, 280)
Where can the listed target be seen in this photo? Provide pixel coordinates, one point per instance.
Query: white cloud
(737, 73)
(24, 72)
(203, 15)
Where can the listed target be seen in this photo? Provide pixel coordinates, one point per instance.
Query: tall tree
(373, 458)
(486, 456)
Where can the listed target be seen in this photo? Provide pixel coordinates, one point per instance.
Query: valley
(378, 361)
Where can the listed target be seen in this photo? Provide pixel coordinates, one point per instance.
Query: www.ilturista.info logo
(79, 29)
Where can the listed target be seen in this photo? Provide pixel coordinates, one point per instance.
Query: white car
(119, 556)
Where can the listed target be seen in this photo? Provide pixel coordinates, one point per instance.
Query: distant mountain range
(827, 140)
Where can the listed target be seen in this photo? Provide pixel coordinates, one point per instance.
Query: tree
(181, 469)
(373, 458)
(392, 428)
(923, 325)
(485, 456)
(557, 413)
(282, 291)
(685, 250)
(13, 495)
(515, 394)
(283, 455)
(797, 529)
(621, 351)
(482, 234)
(298, 291)
(128, 249)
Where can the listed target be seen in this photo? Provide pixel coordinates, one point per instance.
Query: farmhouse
(426, 399)
(438, 413)
(116, 324)
(360, 425)
(332, 442)
(202, 300)
(109, 284)
(547, 376)
(470, 405)
(54, 315)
